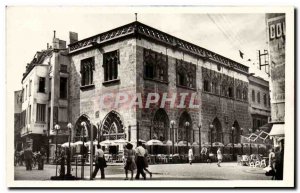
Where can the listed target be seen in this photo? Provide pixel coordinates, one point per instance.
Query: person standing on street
(28, 155)
(146, 161)
(279, 155)
(129, 155)
(219, 156)
(100, 162)
(191, 155)
(140, 161)
(42, 155)
(62, 158)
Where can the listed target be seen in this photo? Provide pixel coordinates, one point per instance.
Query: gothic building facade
(137, 58)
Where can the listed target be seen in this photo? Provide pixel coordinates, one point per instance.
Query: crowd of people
(30, 158)
(133, 160)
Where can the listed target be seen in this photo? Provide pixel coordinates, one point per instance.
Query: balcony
(34, 128)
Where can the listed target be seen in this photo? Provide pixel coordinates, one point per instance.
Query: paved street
(197, 171)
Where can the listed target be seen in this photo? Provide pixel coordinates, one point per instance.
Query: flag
(241, 54)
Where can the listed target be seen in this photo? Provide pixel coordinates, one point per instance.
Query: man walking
(100, 162)
(140, 162)
(191, 155)
(28, 157)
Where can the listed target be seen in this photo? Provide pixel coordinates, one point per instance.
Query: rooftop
(139, 29)
(38, 58)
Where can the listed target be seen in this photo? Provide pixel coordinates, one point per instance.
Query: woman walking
(219, 156)
(129, 163)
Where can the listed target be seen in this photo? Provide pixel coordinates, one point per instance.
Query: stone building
(44, 96)
(136, 58)
(259, 99)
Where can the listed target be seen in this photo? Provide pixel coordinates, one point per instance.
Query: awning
(277, 130)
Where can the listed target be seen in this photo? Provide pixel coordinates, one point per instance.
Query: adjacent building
(276, 39)
(44, 95)
(259, 100)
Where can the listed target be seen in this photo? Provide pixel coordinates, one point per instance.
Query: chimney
(47, 46)
(54, 33)
(73, 36)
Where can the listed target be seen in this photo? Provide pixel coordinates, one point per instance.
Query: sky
(29, 29)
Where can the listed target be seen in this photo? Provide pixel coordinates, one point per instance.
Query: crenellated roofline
(137, 29)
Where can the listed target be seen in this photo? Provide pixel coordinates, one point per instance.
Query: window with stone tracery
(110, 65)
(113, 127)
(155, 65)
(86, 70)
(186, 74)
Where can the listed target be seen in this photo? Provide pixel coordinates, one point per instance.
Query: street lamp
(99, 124)
(56, 127)
(187, 124)
(232, 137)
(83, 124)
(173, 137)
(250, 131)
(211, 127)
(199, 127)
(69, 126)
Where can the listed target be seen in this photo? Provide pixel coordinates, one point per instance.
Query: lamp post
(187, 124)
(211, 127)
(83, 124)
(99, 125)
(69, 151)
(199, 127)
(56, 127)
(173, 137)
(250, 131)
(232, 137)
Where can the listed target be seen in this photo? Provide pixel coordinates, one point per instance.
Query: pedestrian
(100, 162)
(140, 163)
(279, 155)
(130, 165)
(41, 158)
(219, 156)
(146, 161)
(28, 156)
(191, 155)
(62, 157)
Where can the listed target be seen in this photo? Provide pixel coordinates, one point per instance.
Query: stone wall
(87, 101)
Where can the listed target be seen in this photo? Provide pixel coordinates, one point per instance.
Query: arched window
(216, 131)
(160, 125)
(253, 96)
(113, 127)
(184, 134)
(236, 132)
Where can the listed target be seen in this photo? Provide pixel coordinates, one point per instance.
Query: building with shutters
(44, 96)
